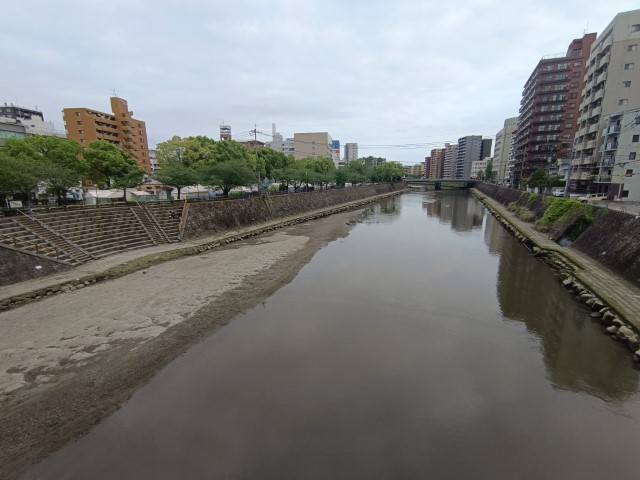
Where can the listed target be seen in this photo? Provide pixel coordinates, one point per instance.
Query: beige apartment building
(502, 148)
(119, 127)
(450, 157)
(312, 144)
(436, 166)
(612, 86)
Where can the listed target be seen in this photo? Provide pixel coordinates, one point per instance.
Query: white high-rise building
(502, 149)
(612, 86)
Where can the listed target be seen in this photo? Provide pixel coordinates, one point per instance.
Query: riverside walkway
(129, 261)
(614, 290)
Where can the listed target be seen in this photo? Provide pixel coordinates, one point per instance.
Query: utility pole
(255, 142)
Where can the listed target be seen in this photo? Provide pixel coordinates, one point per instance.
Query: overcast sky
(386, 74)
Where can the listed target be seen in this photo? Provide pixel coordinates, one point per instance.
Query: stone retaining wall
(207, 218)
(613, 240)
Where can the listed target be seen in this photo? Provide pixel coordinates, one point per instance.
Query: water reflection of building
(576, 355)
(457, 208)
(386, 211)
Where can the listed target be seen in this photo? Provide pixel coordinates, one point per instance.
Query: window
(572, 105)
(623, 101)
(568, 125)
(82, 140)
(577, 63)
(629, 66)
(625, 193)
(81, 131)
(632, 48)
(635, 138)
(573, 95)
(626, 84)
(628, 173)
(574, 85)
(576, 74)
(632, 156)
(570, 115)
(635, 28)
(77, 114)
(79, 122)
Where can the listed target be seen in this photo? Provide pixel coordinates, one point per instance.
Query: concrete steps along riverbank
(615, 302)
(102, 269)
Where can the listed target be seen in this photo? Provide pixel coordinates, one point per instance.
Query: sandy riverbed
(70, 360)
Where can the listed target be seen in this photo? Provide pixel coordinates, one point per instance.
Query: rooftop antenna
(586, 29)
(114, 91)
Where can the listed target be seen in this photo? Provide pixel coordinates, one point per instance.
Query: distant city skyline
(389, 84)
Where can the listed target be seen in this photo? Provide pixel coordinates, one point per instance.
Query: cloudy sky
(398, 77)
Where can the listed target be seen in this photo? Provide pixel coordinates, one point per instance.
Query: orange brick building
(120, 128)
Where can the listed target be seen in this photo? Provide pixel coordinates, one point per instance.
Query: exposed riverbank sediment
(73, 356)
(615, 301)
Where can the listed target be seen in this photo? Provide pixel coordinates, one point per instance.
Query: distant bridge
(439, 183)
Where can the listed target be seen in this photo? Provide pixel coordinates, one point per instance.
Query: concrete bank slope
(614, 291)
(12, 296)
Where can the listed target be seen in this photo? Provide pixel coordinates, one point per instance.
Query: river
(427, 343)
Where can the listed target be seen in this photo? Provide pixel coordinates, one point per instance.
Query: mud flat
(68, 361)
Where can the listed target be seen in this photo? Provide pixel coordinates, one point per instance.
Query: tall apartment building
(119, 127)
(502, 149)
(350, 152)
(549, 109)
(436, 169)
(450, 157)
(612, 86)
(469, 150)
(312, 144)
(620, 165)
(427, 167)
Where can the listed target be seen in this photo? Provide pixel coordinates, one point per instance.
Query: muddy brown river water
(427, 343)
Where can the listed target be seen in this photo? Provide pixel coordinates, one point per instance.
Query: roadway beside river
(615, 291)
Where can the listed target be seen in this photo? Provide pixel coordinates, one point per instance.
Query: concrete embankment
(208, 225)
(614, 300)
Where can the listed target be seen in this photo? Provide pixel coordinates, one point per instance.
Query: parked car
(592, 197)
(558, 192)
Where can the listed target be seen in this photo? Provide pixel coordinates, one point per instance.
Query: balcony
(598, 95)
(608, 146)
(603, 61)
(595, 112)
(590, 144)
(592, 128)
(612, 129)
(600, 78)
(582, 176)
(582, 132)
(586, 161)
(603, 179)
(607, 162)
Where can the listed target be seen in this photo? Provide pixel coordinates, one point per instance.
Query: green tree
(273, 160)
(176, 174)
(488, 172)
(357, 172)
(538, 178)
(109, 166)
(227, 174)
(389, 171)
(19, 174)
(189, 151)
(289, 176)
(56, 161)
(324, 169)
